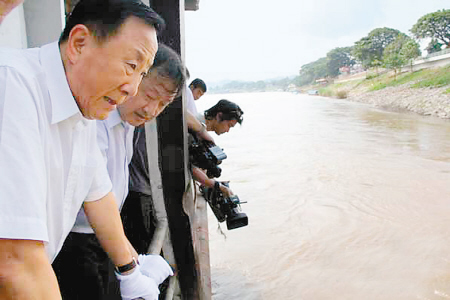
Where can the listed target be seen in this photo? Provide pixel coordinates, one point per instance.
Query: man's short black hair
(198, 83)
(168, 64)
(229, 110)
(103, 17)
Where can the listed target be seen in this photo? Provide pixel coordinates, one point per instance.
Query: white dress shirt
(190, 101)
(49, 158)
(115, 139)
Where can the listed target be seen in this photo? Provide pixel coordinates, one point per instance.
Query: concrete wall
(45, 19)
(436, 60)
(429, 62)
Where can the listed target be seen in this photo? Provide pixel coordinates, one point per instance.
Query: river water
(345, 201)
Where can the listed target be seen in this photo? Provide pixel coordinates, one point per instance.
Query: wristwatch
(125, 268)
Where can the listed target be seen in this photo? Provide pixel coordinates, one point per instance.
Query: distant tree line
(382, 47)
(254, 86)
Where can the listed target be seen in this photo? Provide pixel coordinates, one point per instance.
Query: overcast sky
(261, 39)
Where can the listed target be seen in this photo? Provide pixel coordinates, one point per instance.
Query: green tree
(376, 63)
(392, 58)
(398, 53)
(312, 71)
(369, 49)
(339, 57)
(433, 46)
(281, 84)
(434, 25)
(260, 85)
(410, 50)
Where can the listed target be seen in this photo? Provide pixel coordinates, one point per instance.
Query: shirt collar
(62, 101)
(114, 119)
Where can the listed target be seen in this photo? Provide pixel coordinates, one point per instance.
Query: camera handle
(216, 190)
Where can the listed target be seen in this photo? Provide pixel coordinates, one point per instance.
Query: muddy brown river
(345, 201)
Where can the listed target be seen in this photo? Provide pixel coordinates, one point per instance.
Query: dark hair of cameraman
(223, 116)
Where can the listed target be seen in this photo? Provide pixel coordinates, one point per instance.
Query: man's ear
(219, 117)
(79, 37)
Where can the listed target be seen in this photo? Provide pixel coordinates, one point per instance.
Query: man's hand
(155, 267)
(226, 191)
(137, 286)
(201, 177)
(204, 135)
(197, 127)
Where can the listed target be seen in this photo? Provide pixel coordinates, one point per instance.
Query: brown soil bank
(424, 101)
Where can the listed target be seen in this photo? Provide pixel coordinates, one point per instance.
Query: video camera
(206, 155)
(225, 208)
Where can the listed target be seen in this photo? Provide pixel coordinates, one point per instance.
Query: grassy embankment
(433, 78)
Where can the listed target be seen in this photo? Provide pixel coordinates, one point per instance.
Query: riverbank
(425, 92)
(424, 101)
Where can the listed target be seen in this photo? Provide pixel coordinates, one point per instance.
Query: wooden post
(173, 157)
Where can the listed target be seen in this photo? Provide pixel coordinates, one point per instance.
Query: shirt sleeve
(101, 184)
(23, 183)
(190, 102)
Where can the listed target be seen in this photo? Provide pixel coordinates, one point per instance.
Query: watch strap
(125, 268)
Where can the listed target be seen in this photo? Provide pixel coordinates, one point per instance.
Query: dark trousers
(139, 225)
(138, 221)
(84, 271)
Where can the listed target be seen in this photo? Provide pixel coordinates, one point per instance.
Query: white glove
(155, 267)
(137, 285)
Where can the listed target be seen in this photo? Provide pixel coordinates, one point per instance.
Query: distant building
(322, 81)
(345, 70)
(356, 68)
(292, 88)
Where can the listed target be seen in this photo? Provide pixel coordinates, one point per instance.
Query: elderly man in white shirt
(49, 157)
(82, 262)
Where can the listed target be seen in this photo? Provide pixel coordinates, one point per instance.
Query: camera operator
(220, 118)
(137, 212)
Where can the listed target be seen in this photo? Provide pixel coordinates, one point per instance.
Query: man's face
(154, 94)
(223, 126)
(106, 73)
(197, 93)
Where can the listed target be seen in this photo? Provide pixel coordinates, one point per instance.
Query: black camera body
(206, 155)
(225, 208)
